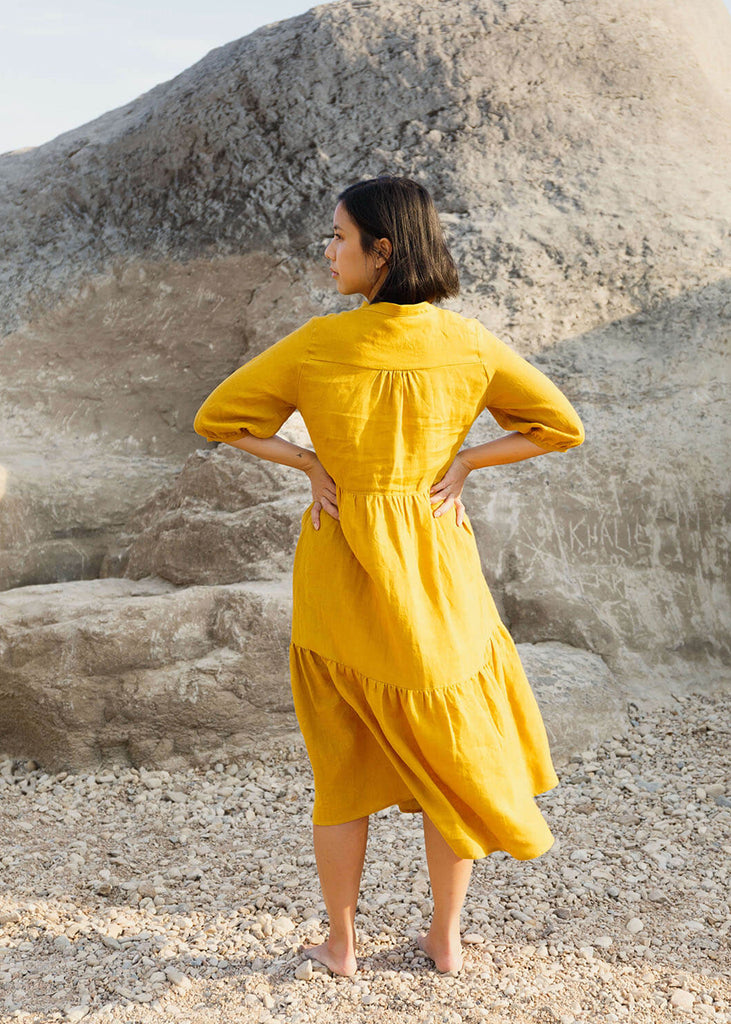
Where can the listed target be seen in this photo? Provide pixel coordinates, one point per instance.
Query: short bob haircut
(420, 268)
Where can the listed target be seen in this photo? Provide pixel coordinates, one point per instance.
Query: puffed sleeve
(260, 395)
(522, 398)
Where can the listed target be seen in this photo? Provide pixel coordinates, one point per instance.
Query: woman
(407, 686)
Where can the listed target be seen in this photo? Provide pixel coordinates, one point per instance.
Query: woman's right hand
(448, 490)
(323, 492)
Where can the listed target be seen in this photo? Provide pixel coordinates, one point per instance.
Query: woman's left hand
(324, 491)
(448, 490)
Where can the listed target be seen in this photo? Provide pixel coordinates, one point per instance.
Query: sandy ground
(136, 897)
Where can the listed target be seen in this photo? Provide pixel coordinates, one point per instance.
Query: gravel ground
(132, 896)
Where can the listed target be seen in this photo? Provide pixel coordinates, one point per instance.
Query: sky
(65, 63)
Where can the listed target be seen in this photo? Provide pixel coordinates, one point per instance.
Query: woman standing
(407, 686)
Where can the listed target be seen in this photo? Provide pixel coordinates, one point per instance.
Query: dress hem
(454, 841)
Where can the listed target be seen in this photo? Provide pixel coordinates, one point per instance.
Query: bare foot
(344, 964)
(447, 959)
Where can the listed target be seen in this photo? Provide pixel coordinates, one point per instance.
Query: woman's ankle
(445, 936)
(446, 953)
(446, 944)
(341, 942)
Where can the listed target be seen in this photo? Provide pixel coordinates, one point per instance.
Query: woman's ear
(384, 249)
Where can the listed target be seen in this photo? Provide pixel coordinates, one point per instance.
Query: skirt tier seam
(396, 686)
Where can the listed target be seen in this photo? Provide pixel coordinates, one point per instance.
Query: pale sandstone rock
(227, 517)
(681, 998)
(577, 694)
(97, 407)
(112, 670)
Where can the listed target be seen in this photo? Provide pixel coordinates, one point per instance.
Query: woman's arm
(276, 449)
(519, 396)
(511, 448)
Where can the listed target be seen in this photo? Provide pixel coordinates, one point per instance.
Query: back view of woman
(407, 686)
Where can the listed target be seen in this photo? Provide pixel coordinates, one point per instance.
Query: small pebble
(74, 1013)
(177, 978)
(303, 971)
(681, 998)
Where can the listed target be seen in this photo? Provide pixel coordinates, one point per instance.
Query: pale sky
(65, 62)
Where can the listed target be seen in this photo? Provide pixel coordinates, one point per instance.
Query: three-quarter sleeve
(261, 395)
(520, 397)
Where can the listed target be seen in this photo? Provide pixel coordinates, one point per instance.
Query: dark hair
(420, 268)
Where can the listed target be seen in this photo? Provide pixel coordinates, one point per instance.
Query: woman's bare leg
(449, 876)
(340, 855)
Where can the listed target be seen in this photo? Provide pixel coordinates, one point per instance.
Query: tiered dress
(407, 686)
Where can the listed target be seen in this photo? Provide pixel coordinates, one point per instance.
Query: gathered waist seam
(385, 490)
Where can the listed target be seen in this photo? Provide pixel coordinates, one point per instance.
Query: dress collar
(398, 309)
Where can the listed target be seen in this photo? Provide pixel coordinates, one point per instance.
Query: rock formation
(576, 152)
(116, 671)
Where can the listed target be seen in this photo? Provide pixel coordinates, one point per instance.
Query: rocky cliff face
(576, 152)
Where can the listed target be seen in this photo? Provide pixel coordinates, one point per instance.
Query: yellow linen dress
(407, 686)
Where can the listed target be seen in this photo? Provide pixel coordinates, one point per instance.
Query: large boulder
(580, 702)
(571, 145)
(145, 673)
(575, 151)
(103, 671)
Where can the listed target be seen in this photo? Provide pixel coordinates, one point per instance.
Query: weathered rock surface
(144, 673)
(98, 398)
(577, 695)
(149, 252)
(562, 133)
(576, 152)
(111, 670)
(621, 546)
(227, 517)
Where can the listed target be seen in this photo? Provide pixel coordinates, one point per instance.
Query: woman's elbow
(570, 435)
(576, 435)
(202, 423)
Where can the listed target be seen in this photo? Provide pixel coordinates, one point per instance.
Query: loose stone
(303, 971)
(682, 999)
